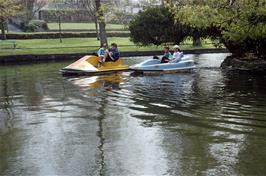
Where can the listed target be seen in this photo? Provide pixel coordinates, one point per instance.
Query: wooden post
(2, 26)
(60, 28)
(96, 28)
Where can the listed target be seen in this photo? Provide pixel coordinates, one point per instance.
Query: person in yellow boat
(101, 54)
(110, 55)
(113, 54)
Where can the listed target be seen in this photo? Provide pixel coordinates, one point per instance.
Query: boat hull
(153, 65)
(88, 66)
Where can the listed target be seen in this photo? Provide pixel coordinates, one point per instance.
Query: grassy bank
(80, 45)
(79, 26)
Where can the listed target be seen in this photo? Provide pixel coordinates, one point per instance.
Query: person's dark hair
(114, 44)
(167, 47)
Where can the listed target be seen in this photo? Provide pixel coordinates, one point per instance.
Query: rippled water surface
(201, 123)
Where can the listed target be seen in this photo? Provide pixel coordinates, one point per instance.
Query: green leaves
(241, 23)
(156, 26)
(8, 8)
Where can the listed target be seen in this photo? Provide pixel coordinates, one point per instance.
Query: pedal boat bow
(88, 66)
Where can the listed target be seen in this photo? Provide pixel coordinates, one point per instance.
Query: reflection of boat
(155, 65)
(96, 82)
(88, 66)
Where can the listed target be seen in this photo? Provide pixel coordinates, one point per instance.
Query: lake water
(201, 123)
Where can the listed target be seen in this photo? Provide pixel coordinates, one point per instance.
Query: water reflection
(104, 82)
(202, 123)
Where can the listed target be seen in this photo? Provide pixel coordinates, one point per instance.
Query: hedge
(51, 35)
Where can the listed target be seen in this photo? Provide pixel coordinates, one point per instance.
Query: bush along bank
(248, 64)
(52, 35)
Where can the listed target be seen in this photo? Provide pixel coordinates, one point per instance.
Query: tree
(240, 25)
(90, 8)
(156, 26)
(101, 21)
(31, 7)
(7, 9)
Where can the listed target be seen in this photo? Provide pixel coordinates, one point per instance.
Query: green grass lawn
(75, 26)
(79, 45)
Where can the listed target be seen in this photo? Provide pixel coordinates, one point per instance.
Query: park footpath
(63, 57)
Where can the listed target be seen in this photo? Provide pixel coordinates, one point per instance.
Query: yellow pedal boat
(88, 65)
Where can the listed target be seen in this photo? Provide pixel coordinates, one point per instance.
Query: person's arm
(116, 54)
(179, 56)
(100, 52)
(175, 57)
(167, 55)
(170, 56)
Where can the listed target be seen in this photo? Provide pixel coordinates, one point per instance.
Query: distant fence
(95, 47)
(87, 30)
(53, 35)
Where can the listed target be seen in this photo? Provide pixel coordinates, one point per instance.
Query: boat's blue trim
(155, 65)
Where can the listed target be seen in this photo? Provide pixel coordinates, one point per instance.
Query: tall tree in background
(32, 7)
(7, 9)
(90, 8)
(101, 21)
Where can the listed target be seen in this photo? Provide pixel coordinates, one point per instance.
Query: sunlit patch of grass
(80, 26)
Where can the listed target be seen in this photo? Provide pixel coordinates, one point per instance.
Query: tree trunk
(6, 26)
(103, 36)
(196, 41)
(2, 25)
(29, 4)
(96, 28)
(60, 28)
(100, 17)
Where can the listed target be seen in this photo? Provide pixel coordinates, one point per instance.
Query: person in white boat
(167, 55)
(178, 54)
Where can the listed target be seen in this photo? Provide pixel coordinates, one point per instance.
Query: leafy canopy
(8, 8)
(156, 26)
(237, 20)
(242, 23)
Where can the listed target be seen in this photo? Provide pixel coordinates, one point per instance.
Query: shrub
(36, 26)
(157, 26)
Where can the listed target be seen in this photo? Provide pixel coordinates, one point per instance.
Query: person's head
(177, 48)
(166, 49)
(113, 45)
(104, 45)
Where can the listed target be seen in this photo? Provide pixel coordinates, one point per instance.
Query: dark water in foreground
(202, 123)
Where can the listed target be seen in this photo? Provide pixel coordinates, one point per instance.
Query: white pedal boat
(155, 65)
